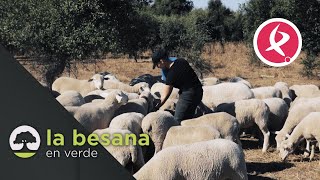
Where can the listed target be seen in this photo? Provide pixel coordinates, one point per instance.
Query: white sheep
(138, 88)
(102, 93)
(296, 114)
(71, 98)
(225, 93)
(307, 129)
(240, 80)
(105, 93)
(143, 105)
(303, 100)
(180, 135)
(249, 112)
(278, 113)
(285, 91)
(170, 105)
(110, 77)
(63, 84)
(266, 92)
(156, 125)
(157, 89)
(227, 125)
(130, 121)
(132, 95)
(71, 109)
(308, 90)
(124, 154)
(210, 81)
(217, 159)
(98, 115)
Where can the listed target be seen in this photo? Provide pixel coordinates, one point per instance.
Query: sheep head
(142, 86)
(111, 77)
(97, 81)
(280, 138)
(149, 98)
(156, 125)
(286, 148)
(122, 98)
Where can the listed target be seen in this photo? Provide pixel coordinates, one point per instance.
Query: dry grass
(234, 62)
(124, 69)
(270, 166)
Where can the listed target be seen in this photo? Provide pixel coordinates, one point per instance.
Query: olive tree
(56, 32)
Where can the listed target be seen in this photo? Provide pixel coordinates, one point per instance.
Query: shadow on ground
(254, 143)
(253, 177)
(256, 168)
(250, 143)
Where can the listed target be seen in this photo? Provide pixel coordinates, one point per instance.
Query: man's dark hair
(158, 55)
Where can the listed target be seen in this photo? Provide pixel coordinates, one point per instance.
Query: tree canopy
(63, 30)
(304, 14)
(57, 32)
(24, 137)
(172, 7)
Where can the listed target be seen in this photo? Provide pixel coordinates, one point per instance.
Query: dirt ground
(270, 166)
(233, 62)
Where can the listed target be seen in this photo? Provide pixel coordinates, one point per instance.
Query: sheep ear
(122, 93)
(119, 98)
(276, 132)
(287, 135)
(288, 146)
(90, 80)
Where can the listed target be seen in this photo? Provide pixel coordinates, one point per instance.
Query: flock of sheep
(206, 147)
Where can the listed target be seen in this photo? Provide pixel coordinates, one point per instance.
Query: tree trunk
(24, 148)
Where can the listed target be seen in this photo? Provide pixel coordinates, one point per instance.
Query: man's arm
(166, 91)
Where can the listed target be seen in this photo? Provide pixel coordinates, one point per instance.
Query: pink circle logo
(277, 42)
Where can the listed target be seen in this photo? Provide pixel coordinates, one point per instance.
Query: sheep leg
(266, 135)
(238, 173)
(307, 152)
(317, 140)
(312, 152)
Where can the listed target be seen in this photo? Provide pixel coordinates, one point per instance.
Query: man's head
(159, 57)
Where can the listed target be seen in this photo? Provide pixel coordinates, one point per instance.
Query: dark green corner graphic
(25, 102)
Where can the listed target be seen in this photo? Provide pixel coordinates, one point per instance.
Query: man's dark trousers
(188, 101)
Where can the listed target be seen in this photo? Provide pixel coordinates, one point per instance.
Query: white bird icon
(276, 46)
